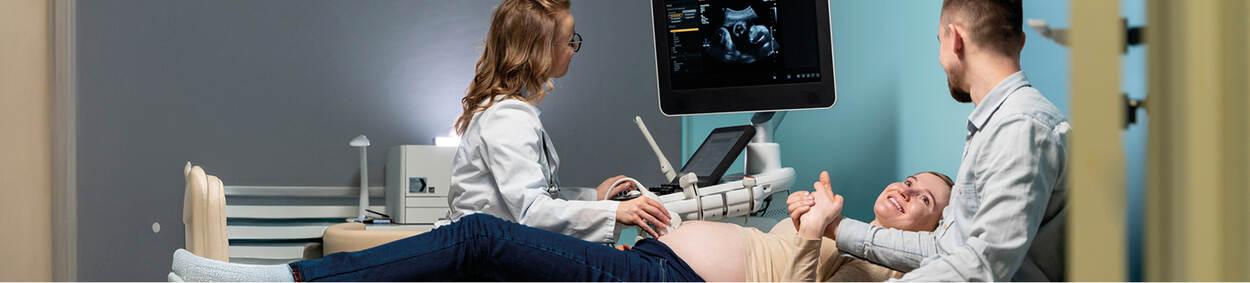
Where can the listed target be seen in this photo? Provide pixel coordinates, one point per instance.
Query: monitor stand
(763, 154)
(763, 157)
(763, 161)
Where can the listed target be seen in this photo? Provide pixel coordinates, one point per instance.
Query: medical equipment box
(417, 180)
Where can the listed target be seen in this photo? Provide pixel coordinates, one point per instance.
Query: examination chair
(204, 215)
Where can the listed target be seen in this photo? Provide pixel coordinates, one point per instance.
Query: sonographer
(506, 164)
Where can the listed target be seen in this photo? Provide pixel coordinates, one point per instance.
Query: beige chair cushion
(218, 245)
(350, 237)
(204, 214)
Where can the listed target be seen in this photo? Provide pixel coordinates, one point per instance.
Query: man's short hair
(994, 24)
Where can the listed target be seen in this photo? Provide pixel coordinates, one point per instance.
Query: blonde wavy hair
(517, 56)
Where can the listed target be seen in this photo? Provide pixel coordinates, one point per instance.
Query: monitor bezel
(781, 97)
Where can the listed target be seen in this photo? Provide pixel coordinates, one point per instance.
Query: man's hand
(603, 188)
(831, 229)
(824, 213)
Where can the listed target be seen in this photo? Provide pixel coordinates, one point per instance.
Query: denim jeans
(480, 247)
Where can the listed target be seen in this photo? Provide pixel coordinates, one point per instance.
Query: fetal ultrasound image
(741, 32)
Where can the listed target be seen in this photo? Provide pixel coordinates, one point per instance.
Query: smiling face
(915, 204)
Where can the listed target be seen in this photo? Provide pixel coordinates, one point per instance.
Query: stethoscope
(553, 181)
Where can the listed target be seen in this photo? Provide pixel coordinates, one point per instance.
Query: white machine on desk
(417, 180)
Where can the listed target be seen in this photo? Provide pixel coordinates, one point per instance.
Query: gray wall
(269, 93)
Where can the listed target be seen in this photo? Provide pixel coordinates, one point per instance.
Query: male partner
(1006, 215)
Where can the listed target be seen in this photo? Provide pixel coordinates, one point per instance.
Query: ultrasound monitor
(718, 56)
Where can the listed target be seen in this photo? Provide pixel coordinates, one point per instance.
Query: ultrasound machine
(734, 56)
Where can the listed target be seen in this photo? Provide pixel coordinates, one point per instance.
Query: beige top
(781, 255)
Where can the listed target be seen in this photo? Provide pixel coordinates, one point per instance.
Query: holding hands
(818, 212)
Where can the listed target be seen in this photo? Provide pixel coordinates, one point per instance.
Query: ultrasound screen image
(740, 34)
(726, 43)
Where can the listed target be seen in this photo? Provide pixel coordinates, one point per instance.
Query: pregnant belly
(714, 250)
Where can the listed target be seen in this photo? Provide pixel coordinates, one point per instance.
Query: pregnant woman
(480, 247)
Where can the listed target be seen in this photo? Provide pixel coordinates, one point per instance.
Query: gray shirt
(1007, 208)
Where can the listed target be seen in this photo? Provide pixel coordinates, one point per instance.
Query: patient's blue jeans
(481, 247)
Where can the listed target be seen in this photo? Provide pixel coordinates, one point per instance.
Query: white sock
(194, 268)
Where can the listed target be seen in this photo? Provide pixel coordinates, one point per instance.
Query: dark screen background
(794, 29)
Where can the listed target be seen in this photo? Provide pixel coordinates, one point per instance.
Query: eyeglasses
(576, 43)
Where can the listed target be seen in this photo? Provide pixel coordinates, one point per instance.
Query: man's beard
(958, 94)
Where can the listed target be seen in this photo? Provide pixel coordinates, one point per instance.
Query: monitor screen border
(780, 97)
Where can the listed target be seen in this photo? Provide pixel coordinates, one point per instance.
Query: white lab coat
(506, 166)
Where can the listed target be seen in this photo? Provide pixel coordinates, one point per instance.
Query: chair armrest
(350, 237)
